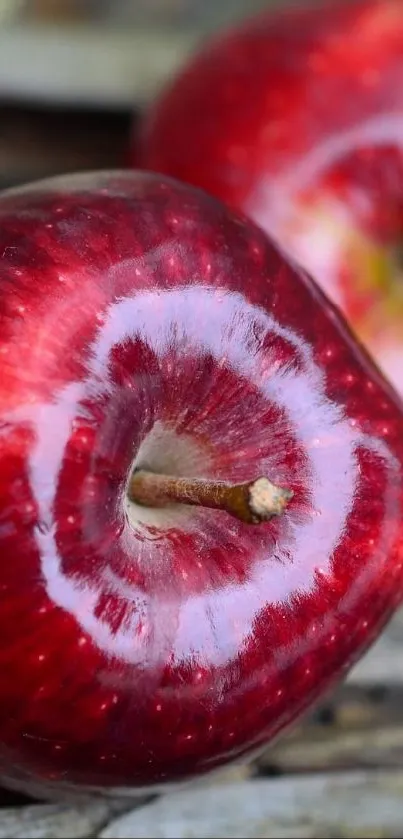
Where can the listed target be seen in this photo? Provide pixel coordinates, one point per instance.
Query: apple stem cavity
(253, 502)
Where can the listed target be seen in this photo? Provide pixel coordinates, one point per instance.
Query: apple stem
(252, 502)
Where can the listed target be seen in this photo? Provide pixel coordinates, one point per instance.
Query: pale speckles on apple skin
(190, 627)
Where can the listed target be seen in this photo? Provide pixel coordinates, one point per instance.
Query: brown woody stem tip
(252, 502)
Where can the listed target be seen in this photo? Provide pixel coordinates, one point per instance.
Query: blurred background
(73, 72)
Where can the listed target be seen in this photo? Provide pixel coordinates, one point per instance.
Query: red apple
(297, 118)
(145, 330)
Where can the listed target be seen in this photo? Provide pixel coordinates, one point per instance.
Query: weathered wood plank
(384, 661)
(357, 727)
(88, 65)
(111, 54)
(56, 821)
(353, 804)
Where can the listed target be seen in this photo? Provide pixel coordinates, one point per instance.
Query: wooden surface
(351, 805)
(110, 54)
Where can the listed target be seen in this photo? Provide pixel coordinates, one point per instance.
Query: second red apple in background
(297, 118)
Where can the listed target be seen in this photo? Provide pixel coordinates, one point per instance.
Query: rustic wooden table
(339, 773)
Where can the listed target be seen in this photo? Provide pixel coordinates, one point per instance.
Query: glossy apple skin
(297, 118)
(136, 653)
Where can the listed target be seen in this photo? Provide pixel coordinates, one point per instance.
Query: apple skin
(296, 117)
(144, 323)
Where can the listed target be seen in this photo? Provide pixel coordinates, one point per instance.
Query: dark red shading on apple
(297, 118)
(144, 326)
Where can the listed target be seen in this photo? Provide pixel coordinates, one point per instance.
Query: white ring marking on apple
(275, 196)
(309, 410)
(276, 199)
